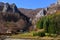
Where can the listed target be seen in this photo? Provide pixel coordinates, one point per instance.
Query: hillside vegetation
(50, 24)
(47, 26)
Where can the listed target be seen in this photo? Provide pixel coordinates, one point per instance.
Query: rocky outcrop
(10, 8)
(1, 6)
(6, 7)
(38, 16)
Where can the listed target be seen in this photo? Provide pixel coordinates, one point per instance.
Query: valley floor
(26, 36)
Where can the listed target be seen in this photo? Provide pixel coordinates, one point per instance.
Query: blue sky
(30, 4)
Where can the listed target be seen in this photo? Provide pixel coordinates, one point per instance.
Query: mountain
(12, 20)
(29, 12)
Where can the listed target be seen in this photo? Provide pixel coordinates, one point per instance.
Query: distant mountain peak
(6, 7)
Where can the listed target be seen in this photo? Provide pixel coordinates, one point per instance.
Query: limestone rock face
(6, 7)
(1, 6)
(14, 8)
(11, 8)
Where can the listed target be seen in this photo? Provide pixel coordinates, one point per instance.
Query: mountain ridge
(16, 19)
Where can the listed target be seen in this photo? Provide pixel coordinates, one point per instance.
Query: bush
(41, 34)
(47, 34)
(35, 34)
(53, 35)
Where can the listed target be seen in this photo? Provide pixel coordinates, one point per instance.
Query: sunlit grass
(25, 35)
